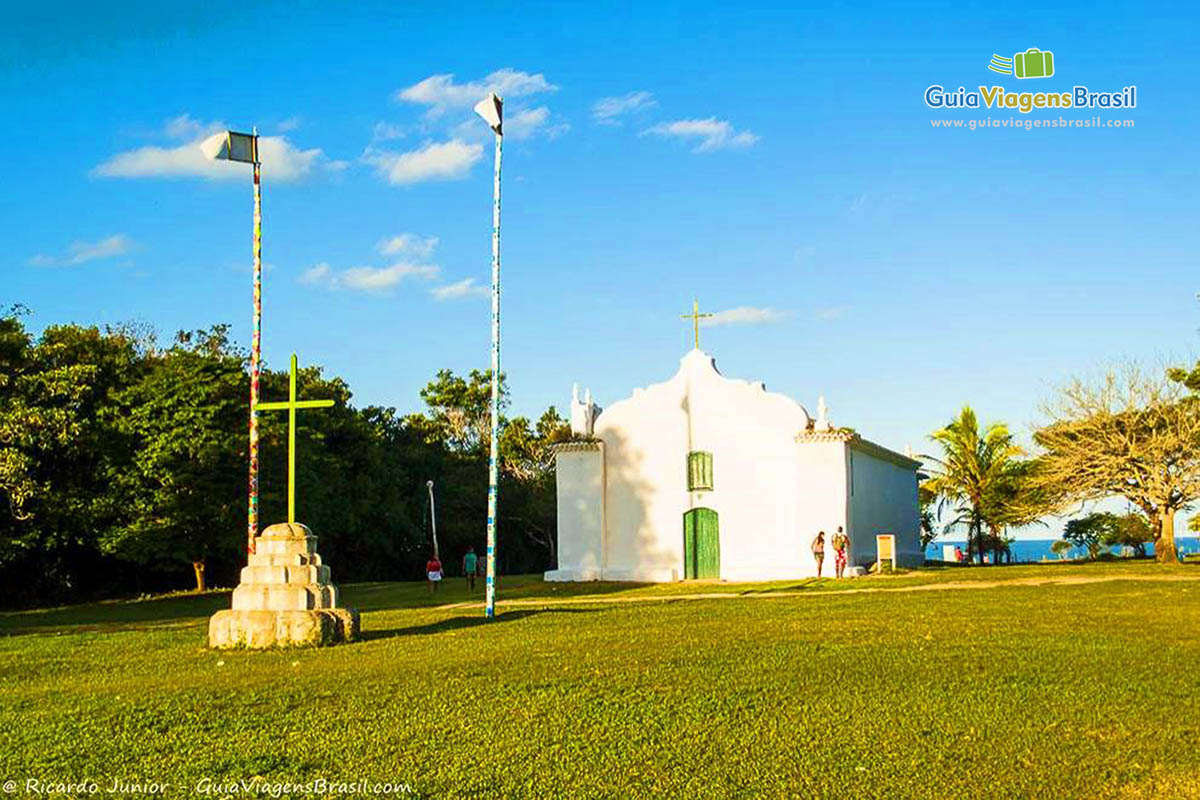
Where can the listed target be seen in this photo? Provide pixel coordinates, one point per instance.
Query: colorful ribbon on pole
(255, 356)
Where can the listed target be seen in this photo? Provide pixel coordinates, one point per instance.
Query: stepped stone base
(263, 629)
(285, 597)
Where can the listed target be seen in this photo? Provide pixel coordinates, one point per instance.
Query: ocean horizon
(1035, 550)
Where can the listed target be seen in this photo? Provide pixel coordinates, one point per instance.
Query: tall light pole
(433, 519)
(491, 108)
(243, 147)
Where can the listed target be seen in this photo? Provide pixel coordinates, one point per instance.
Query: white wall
(883, 499)
(821, 497)
(579, 478)
(750, 433)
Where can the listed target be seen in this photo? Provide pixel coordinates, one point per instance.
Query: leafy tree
(122, 466)
(1129, 530)
(183, 493)
(1101, 530)
(928, 504)
(55, 447)
(528, 500)
(1086, 532)
(1130, 435)
(461, 408)
(1061, 548)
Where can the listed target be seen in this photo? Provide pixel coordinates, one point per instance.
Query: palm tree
(979, 476)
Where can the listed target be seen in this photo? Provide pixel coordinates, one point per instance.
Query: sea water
(1039, 549)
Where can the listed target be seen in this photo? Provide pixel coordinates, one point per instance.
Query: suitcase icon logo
(1033, 63)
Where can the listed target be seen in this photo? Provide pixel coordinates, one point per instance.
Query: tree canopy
(1129, 434)
(123, 467)
(982, 481)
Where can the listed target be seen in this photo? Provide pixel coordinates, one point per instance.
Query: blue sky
(768, 159)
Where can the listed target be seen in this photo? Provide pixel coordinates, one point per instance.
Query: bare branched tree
(1131, 434)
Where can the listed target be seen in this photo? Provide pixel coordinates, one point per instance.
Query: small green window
(700, 471)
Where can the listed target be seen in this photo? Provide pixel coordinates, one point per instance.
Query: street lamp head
(429, 484)
(232, 146)
(491, 108)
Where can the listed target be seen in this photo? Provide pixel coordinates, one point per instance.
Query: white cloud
(456, 291)
(412, 251)
(83, 252)
(442, 94)
(386, 131)
(289, 124)
(711, 134)
(317, 273)
(366, 279)
(409, 244)
(745, 315)
(519, 123)
(282, 161)
(609, 110)
(525, 123)
(184, 127)
(830, 313)
(435, 161)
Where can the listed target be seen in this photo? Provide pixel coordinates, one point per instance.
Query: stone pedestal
(285, 597)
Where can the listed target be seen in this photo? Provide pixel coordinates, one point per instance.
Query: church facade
(704, 476)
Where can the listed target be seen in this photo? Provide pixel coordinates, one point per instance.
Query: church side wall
(820, 498)
(579, 479)
(883, 499)
(646, 487)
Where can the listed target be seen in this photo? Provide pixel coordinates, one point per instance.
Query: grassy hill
(928, 684)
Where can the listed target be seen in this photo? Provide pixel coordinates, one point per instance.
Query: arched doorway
(701, 544)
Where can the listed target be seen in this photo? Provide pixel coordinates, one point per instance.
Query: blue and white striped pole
(491, 109)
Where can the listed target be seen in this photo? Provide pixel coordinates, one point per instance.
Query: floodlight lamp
(232, 146)
(491, 108)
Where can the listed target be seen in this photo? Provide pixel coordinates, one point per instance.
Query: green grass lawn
(1017, 690)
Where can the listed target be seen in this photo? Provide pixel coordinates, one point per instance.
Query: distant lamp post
(433, 519)
(491, 108)
(243, 147)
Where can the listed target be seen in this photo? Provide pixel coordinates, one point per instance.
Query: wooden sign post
(885, 548)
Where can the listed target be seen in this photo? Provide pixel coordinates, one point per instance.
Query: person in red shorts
(433, 571)
(841, 545)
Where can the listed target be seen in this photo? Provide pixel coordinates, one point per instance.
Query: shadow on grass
(459, 623)
(808, 583)
(116, 615)
(386, 595)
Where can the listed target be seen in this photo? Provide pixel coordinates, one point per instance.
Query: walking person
(841, 544)
(433, 571)
(818, 551)
(470, 565)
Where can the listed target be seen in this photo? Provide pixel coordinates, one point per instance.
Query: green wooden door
(701, 544)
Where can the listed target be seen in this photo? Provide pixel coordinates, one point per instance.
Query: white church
(705, 476)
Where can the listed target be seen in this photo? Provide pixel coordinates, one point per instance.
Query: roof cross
(695, 317)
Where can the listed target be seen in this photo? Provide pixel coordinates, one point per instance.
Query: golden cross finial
(695, 317)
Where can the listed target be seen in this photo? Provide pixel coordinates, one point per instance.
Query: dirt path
(1073, 580)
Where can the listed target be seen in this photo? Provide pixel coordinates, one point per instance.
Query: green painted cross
(695, 317)
(291, 405)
